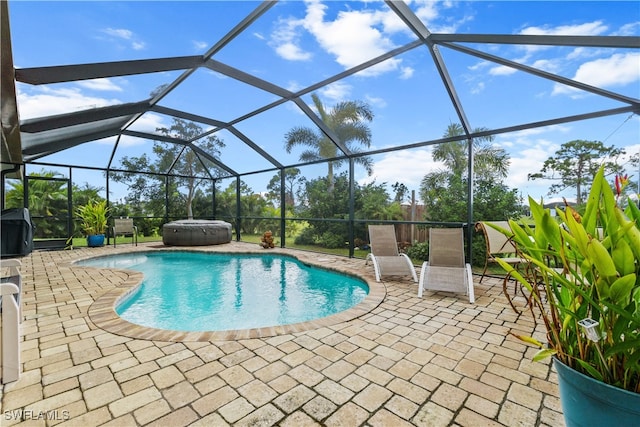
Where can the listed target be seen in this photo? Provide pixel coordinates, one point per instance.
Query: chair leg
(470, 291)
(486, 265)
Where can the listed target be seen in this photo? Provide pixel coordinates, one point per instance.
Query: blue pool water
(195, 291)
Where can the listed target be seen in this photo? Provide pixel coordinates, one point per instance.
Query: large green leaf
(621, 290)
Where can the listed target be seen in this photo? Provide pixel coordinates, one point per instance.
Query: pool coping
(102, 311)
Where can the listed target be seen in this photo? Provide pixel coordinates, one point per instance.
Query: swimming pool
(199, 291)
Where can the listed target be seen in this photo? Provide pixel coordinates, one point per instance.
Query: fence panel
(411, 233)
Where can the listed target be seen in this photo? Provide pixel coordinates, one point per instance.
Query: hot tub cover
(196, 232)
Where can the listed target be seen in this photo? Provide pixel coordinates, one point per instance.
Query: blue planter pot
(589, 402)
(95, 240)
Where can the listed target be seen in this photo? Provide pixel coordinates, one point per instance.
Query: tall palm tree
(489, 161)
(347, 121)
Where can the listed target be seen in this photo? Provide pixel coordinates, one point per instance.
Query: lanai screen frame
(27, 141)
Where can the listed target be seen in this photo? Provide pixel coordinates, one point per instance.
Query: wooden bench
(124, 227)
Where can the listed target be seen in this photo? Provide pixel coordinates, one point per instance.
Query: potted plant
(94, 221)
(584, 281)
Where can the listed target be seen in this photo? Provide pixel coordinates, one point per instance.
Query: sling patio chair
(446, 269)
(124, 227)
(387, 260)
(500, 246)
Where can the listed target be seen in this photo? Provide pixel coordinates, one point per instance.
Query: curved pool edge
(103, 314)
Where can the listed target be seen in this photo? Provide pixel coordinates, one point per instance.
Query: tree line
(195, 173)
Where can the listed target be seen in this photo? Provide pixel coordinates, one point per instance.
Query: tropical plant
(47, 202)
(488, 161)
(591, 306)
(444, 191)
(347, 121)
(94, 216)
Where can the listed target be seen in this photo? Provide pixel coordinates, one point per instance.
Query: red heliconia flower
(621, 182)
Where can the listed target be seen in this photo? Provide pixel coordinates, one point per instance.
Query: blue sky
(299, 43)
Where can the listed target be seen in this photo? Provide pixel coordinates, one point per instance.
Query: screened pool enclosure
(240, 97)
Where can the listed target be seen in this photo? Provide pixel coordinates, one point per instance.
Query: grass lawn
(79, 242)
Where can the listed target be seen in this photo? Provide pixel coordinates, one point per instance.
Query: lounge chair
(446, 269)
(498, 245)
(387, 260)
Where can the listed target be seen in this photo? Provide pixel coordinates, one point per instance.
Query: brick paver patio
(431, 361)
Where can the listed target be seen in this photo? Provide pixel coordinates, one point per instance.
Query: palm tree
(489, 161)
(347, 121)
(47, 194)
(444, 191)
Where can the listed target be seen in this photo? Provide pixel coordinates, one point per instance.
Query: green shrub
(306, 237)
(419, 251)
(332, 240)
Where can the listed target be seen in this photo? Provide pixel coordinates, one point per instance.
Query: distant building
(558, 203)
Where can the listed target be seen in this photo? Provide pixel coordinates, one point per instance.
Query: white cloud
(430, 14)
(119, 33)
(125, 35)
(406, 73)
(586, 29)
(583, 53)
(376, 101)
(352, 38)
(522, 137)
(629, 29)
(427, 11)
(286, 40)
(337, 91)
(549, 65)
(478, 88)
(480, 65)
(355, 36)
(100, 85)
(46, 102)
(502, 70)
(407, 166)
(148, 122)
(200, 46)
(294, 86)
(616, 70)
(528, 160)
(292, 52)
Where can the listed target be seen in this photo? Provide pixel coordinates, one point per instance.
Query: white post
(10, 342)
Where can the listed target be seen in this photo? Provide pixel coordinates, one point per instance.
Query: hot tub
(196, 232)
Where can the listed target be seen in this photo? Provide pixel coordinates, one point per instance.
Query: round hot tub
(196, 232)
